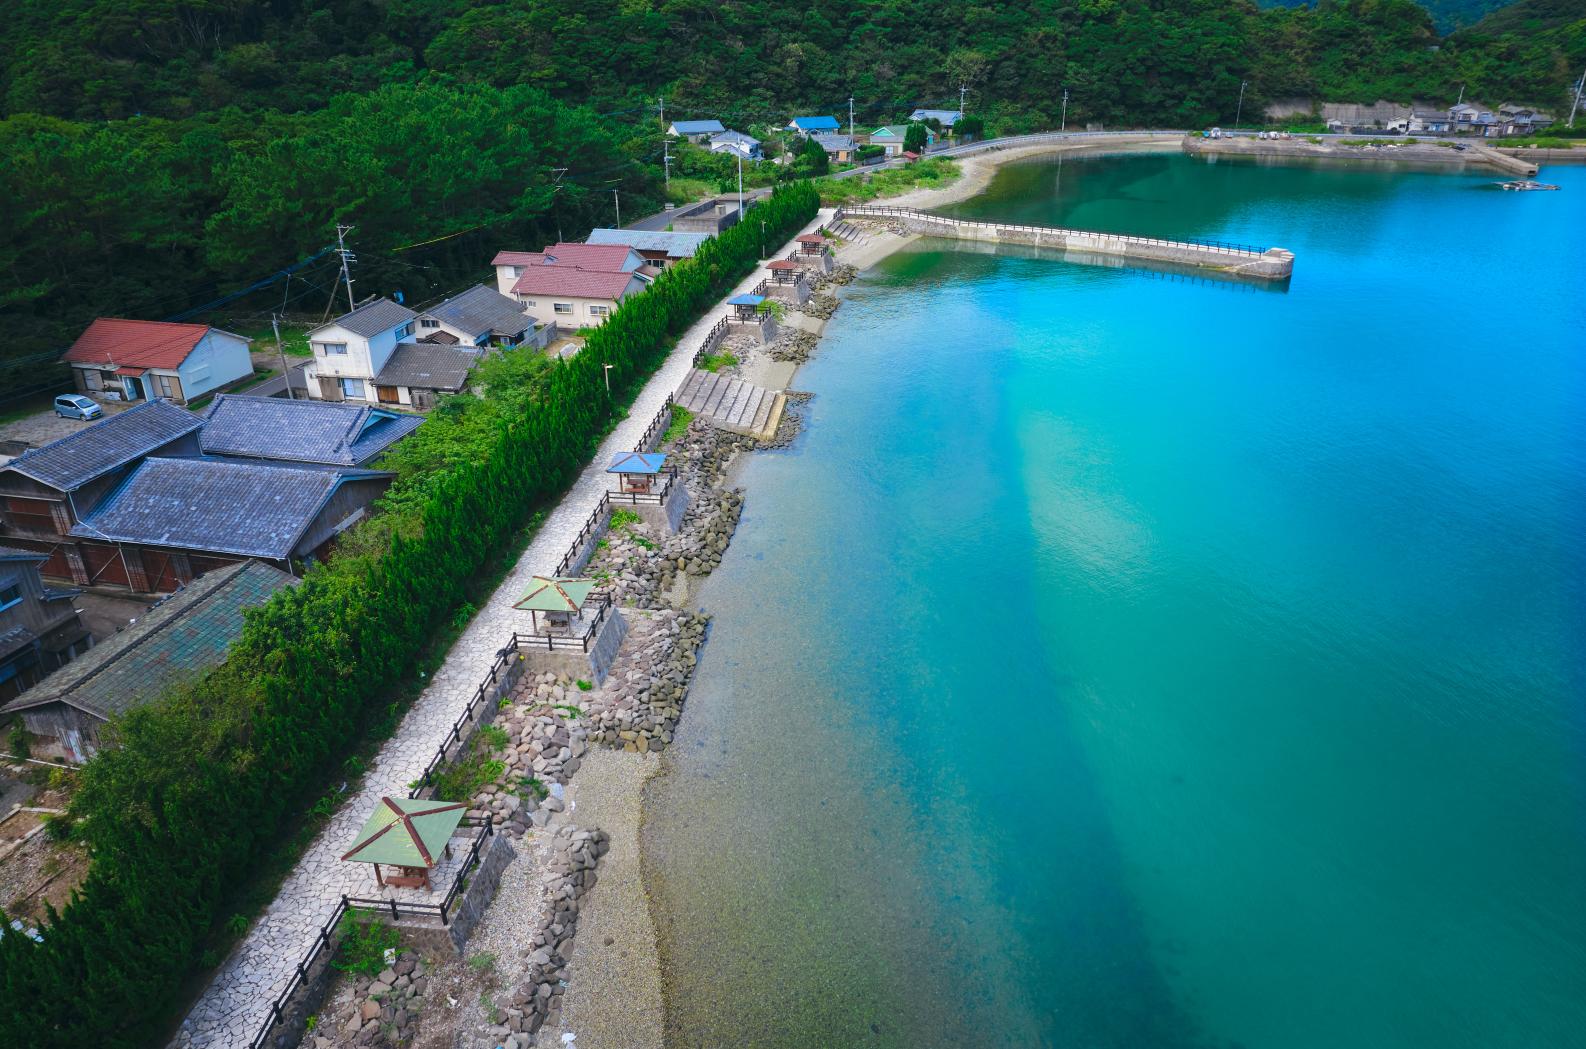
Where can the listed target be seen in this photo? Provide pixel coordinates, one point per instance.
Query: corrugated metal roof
(407, 832)
(11, 553)
(187, 633)
(150, 344)
(225, 506)
(482, 310)
(428, 366)
(815, 123)
(71, 462)
(696, 127)
(319, 432)
(676, 245)
(637, 463)
(372, 318)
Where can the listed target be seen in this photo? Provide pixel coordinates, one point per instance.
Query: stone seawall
(1271, 264)
(1431, 153)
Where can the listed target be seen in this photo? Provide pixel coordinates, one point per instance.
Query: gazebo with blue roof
(636, 471)
(745, 307)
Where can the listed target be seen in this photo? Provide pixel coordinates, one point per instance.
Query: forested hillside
(161, 152)
(1447, 15)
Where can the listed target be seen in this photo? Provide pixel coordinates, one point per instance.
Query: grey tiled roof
(187, 633)
(372, 318)
(227, 506)
(71, 462)
(676, 245)
(481, 310)
(301, 431)
(428, 366)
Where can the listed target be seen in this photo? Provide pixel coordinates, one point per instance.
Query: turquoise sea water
(1126, 661)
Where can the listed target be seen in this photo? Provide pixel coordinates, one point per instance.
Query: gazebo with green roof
(410, 833)
(559, 599)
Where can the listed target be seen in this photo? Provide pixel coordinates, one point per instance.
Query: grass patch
(573, 713)
(364, 943)
(716, 361)
(932, 173)
(681, 417)
(684, 190)
(494, 736)
(463, 778)
(624, 518)
(294, 339)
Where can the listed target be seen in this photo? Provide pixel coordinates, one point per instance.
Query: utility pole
(1461, 100)
(739, 155)
(1580, 85)
(556, 187)
(662, 100)
(615, 200)
(1064, 125)
(961, 89)
(850, 116)
(275, 326)
(346, 258)
(666, 158)
(1241, 110)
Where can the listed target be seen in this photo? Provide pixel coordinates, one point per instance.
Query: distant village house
(738, 144)
(658, 248)
(695, 130)
(572, 285)
(132, 360)
(945, 117)
(813, 125)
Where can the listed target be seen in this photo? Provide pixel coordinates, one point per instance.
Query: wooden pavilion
(746, 307)
(637, 471)
(410, 834)
(557, 599)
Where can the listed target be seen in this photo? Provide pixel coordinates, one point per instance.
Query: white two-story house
(352, 349)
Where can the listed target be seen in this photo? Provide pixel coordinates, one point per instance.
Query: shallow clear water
(1127, 661)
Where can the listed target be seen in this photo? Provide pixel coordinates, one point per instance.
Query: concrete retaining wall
(593, 665)
(668, 516)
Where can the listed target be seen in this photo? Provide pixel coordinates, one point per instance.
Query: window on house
(331, 349)
(564, 307)
(511, 271)
(599, 311)
(405, 330)
(352, 388)
(10, 594)
(165, 386)
(426, 322)
(528, 302)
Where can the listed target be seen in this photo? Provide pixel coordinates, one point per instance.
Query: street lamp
(762, 238)
(608, 368)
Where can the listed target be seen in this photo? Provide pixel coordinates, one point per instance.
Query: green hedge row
(205, 783)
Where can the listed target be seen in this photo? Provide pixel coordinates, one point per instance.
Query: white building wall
(219, 358)
(363, 360)
(543, 307)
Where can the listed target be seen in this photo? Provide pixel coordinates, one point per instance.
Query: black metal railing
(926, 216)
(592, 524)
(652, 433)
(713, 339)
(488, 692)
(325, 939)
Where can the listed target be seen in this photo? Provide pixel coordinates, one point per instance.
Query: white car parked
(76, 406)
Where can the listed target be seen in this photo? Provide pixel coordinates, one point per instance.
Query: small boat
(1525, 185)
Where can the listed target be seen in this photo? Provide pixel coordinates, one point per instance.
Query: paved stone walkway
(237, 1002)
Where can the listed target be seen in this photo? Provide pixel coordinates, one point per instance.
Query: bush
(203, 785)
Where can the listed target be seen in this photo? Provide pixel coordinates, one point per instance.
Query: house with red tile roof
(130, 360)
(572, 285)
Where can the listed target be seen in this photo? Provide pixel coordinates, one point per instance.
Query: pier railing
(713, 339)
(1193, 244)
(654, 497)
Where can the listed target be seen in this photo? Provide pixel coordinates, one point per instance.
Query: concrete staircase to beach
(732, 404)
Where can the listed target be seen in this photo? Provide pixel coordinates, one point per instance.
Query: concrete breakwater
(1264, 264)
(1440, 153)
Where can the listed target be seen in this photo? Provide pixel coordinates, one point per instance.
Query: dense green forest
(1447, 15)
(160, 153)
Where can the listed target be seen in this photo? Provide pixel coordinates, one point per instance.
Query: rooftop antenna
(347, 258)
